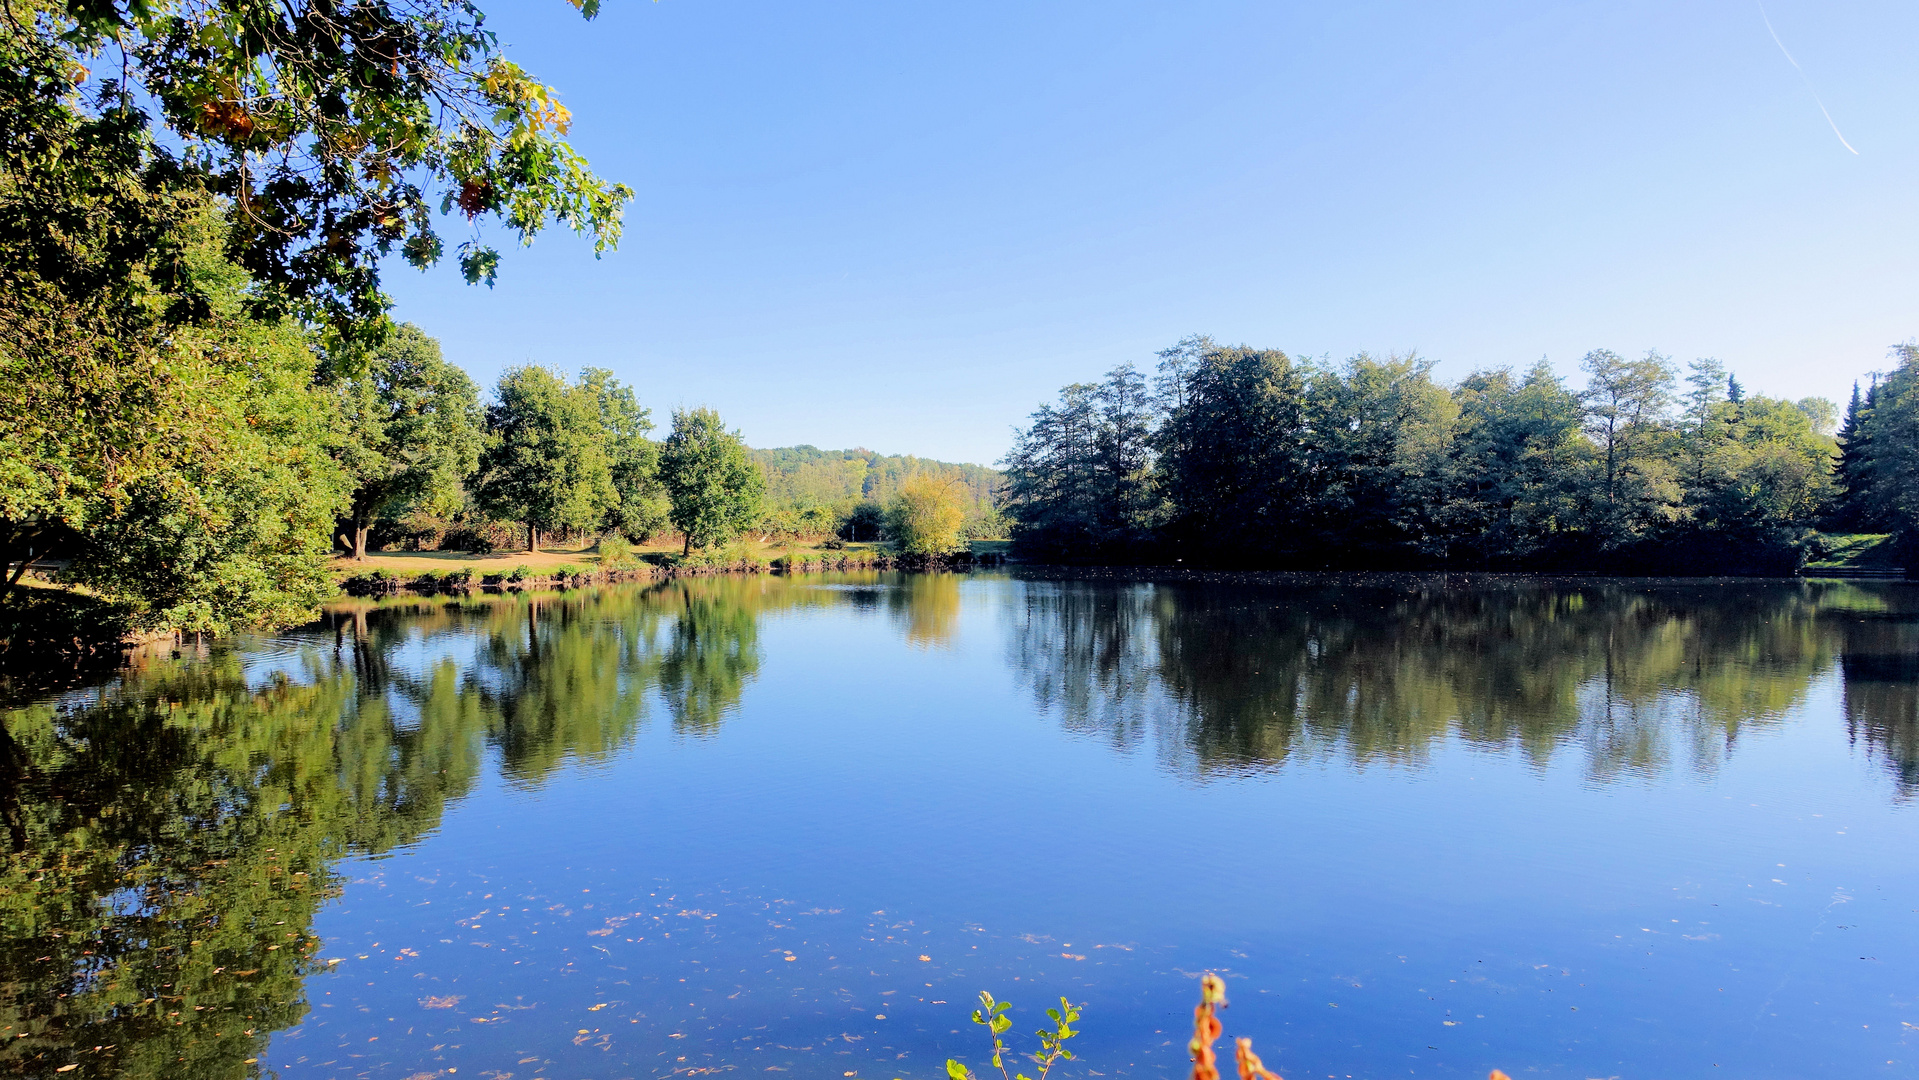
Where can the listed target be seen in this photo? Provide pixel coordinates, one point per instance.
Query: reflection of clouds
(1640, 678)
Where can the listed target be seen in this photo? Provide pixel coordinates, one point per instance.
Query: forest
(1250, 457)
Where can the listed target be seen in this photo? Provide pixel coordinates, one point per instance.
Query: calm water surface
(765, 826)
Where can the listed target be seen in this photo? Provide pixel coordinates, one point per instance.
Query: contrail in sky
(1802, 75)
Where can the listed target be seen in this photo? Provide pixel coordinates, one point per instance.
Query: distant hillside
(803, 476)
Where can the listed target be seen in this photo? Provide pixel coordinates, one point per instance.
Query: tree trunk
(532, 539)
(688, 549)
(360, 529)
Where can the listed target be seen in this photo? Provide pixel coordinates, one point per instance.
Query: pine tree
(1854, 474)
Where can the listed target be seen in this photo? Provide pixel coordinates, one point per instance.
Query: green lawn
(1856, 551)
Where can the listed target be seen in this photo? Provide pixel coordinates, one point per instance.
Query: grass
(1856, 551)
(409, 564)
(545, 562)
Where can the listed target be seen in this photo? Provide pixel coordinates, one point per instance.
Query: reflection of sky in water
(1609, 838)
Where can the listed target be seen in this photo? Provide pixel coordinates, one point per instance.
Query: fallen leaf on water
(923, 956)
(596, 1008)
(446, 1002)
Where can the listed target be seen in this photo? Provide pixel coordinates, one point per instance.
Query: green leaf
(957, 1071)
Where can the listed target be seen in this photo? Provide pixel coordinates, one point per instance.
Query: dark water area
(791, 827)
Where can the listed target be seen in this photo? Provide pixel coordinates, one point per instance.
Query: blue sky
(903, 225)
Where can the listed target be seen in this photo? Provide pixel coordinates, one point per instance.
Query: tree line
(551, 455)
(1247, 456)
(809, 490)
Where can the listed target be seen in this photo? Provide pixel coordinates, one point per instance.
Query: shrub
(730, 557)
(925, 516)
(427, 582)
(478, 540)
(1207, 1030)
(373, 583)
(568, 571)
(517, 574)
(616, 553)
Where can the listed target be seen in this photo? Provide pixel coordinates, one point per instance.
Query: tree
(1625, 415)
(333, 133)
(1232, 450)
(1891, 427)
(1080, 476)
(546, 463)
(714, 486)
(317, 140)
(182, 465)
(103, 251)
(640, 509)
(925, 515)
(411, 432)
(1854, 507)
(1518, 459)
(1376, 441)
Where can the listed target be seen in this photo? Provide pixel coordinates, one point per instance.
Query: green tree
(103, 251)
(925, 515)
(220, 521)
(1854, 509)
(640, 510)
(714, 486)
(1080, 476)
(1232, 451)
(1518, 459)
(1626, 403)
(334, 135)
(1376, 444)
(1891, 461)
(323, 139)
(411, 431)
(545, 464)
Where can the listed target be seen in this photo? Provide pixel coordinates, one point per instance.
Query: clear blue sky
(902, 225)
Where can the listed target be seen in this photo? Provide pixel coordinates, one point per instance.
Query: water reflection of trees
(1881, 667)
(1642, 677)
(170, 837)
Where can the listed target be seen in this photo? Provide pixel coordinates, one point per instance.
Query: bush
(568, 571)
(374, 583)
(924, 518)
(479, 541)
(517, 574)
(616, 553)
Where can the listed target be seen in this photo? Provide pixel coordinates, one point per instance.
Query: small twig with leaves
(1052, 1044)
(1206, 1031)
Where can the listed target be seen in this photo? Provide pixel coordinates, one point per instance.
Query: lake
(1423, 826)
